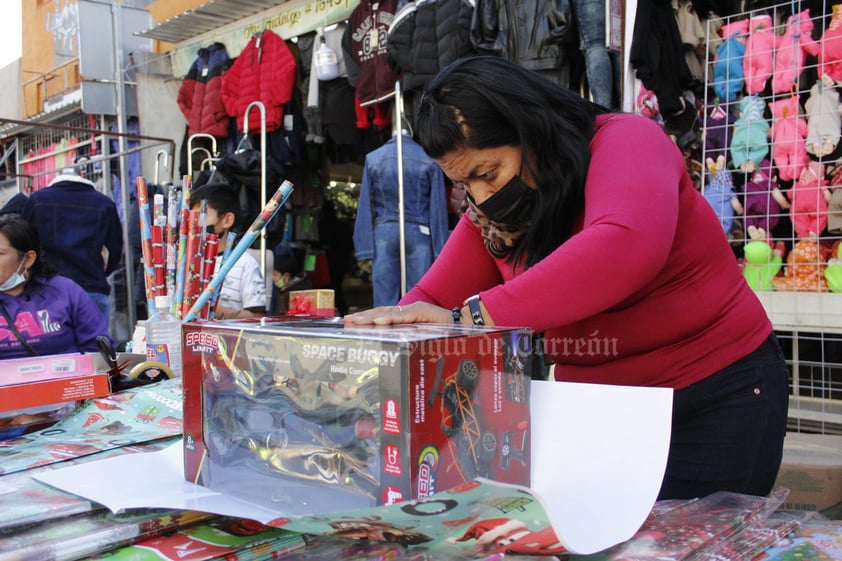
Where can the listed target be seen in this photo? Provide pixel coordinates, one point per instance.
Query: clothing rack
(166, 158)
(262, 108)
(401, 218)
(212, 153)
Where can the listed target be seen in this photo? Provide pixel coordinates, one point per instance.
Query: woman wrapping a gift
(585, 226)
(42, 313)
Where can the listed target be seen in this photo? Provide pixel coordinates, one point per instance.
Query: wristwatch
(475, 310)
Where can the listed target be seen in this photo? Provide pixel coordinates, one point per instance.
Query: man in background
(81, 234)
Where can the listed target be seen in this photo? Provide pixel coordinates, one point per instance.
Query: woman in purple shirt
(41, 313)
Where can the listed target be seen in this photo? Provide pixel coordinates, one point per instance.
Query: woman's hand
(417, 312)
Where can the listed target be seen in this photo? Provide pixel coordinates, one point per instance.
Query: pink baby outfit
(758, 59)
(809, 197)
(788, 134)
(792, 50)
(830, 54)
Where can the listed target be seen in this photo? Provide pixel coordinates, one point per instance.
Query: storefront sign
(288, 20)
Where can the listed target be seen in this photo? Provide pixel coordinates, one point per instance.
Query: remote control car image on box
(459, 410)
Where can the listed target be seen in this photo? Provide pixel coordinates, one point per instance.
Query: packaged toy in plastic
(309, 416)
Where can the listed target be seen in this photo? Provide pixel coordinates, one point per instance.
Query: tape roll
(150, 370)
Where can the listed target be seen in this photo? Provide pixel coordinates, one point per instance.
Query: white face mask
(14, 281)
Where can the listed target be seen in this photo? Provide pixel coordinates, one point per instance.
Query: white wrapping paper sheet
(598, 458)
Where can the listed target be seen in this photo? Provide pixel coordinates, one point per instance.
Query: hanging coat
(200, 93)
(264, 71)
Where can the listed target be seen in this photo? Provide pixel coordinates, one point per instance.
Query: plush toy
(809, 196)
(834, 207)
(789, 152)
(719, 191)
(804, 270)
(791, 51)
(749, 141)
(762, 260)
(830, 54)
(728, 75)
(824, 118)
(833, 271)
(647, 105)
(758, 60)
(764, 199)
(719, 123)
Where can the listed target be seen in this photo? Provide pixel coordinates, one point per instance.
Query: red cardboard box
(44, 380)
(308, 415)
(312, 302)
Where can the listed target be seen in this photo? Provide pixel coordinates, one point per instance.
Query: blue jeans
(728, 429)
(385, 266)
(102, 302)
(590, 19)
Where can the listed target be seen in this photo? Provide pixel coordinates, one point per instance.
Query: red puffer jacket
(264, 71)
(200, 97)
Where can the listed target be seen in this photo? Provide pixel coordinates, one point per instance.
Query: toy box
(311, 416)
(812, 471)
(317, 302)
(44, 380)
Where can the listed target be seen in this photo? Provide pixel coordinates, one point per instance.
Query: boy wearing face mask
(243, 292)
(287, 275)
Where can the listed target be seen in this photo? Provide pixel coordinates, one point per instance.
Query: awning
(208, 17)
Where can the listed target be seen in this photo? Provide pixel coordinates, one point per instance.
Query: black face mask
(512, 204)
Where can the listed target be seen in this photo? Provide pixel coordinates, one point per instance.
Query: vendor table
(38, 522)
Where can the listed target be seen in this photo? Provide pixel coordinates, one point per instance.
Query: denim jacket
(424, 194)
(75, 222)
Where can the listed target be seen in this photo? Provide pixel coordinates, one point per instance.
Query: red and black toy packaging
(307, 415)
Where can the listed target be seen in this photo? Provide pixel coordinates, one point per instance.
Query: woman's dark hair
(487, 102)
(24, 237)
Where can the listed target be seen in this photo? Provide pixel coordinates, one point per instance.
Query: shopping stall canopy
(234, 22)
(205, 18)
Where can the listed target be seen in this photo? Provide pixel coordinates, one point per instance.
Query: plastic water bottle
(327, 63)
(163, 336)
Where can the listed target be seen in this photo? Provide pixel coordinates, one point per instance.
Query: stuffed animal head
(833, 271)
(813, 173)
(751, 108)
(800, 23)
(757, 251)
(805, 268)
(805, 253)
(761, 179)
(760, 22)
(715, 166)
(738, 28)
(785, 107)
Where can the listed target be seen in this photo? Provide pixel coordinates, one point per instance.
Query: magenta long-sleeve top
(647, 291)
